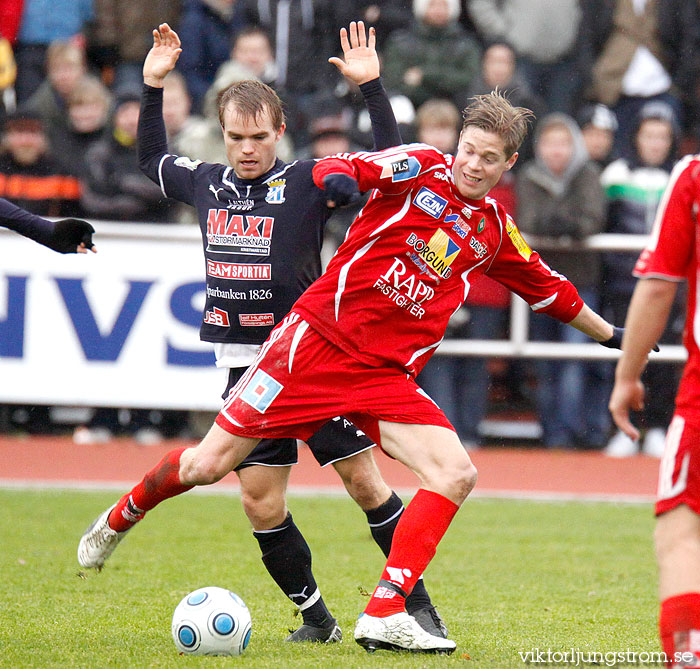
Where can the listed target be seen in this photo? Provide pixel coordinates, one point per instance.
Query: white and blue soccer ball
(211, 621)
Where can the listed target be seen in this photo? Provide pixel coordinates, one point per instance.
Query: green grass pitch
(508, 577)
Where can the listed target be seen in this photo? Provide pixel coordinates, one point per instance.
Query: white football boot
(98, 542)
(398, 632)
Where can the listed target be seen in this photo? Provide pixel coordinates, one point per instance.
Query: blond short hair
(494, 113)
(64, 52)
(89, 89)
(437, 114)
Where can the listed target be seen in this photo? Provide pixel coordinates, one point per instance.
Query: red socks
(679, 626)
(161, 482)
(422, 525)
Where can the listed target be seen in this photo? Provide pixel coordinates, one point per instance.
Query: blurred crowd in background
(615, 85)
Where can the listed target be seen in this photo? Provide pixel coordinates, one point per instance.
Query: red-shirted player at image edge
(670, 258)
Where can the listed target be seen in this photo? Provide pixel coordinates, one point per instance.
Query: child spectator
(438, 123)
(65, 66)
(114, 187)
(560, 197)
(44, 22)
(598, 126)
(633, 186)
(88, 114)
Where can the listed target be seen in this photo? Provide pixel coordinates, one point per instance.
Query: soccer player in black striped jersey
(262, 222)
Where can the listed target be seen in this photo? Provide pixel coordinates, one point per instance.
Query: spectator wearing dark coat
(115, 188)
(634, 185)
(549, 38)
(65, 66)
(208, 28)
(303, 34)
(87, 120)
(560, 197)
(386, 16)
(30, 176)
(435, 58)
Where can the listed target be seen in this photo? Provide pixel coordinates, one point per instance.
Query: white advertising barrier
(117, 328)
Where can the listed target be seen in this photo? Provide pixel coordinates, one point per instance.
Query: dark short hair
(494, 113)
(252, 98)
(252, 31)
(23, 120)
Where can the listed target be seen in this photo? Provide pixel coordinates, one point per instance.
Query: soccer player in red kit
(671, 257)
(358, 336)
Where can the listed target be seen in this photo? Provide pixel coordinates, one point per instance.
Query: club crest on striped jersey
(260, 392)
(275, 191)
(438, 253)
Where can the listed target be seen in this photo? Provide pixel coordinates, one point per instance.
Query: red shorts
(679, 471)
(300, 380)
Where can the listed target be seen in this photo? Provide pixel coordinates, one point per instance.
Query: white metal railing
(518, 346)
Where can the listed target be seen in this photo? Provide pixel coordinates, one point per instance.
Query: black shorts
(337, 439)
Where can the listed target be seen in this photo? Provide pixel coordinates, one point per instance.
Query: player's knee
(368, 489)
(201, 470)
(263, 511)
(465, 479)
(456, 481)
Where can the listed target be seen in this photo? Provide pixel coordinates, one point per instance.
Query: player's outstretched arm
(593, 325)
(646, 319)
(360, 62)
(71, 235)
(162, 57)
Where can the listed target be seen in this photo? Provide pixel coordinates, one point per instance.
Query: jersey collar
(277, 166)
(473, 204)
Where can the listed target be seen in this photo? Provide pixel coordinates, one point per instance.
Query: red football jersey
(410, 256)
(672, 254)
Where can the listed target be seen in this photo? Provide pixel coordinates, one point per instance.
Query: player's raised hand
(360, 62)
(162, 57)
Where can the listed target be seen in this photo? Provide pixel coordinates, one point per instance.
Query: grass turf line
(509, 576)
